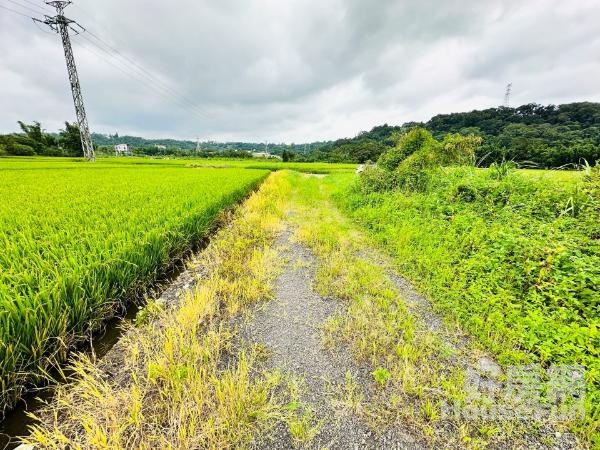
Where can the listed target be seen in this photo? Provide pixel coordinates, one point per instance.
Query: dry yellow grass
(174, 385)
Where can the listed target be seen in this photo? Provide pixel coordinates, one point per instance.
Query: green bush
(418, 170)
(20, 150)
(414, 162)
(458, 150)
(376, 179)
(408, 144)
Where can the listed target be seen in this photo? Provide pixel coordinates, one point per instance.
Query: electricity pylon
(507, 95)
(61, 24)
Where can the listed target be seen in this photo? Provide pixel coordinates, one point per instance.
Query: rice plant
(75, 243)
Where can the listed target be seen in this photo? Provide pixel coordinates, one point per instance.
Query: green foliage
(499, 171)
(376, 179)
(35, 141)
(35, 133)
(459, 150)
(148, 313)
(415, 158)
(381, 376)
(514, 258)
(408, 144)
(68, 257)
(70, 140)
(358, 151)
(547, 136)
(17, 149)
(287, 156)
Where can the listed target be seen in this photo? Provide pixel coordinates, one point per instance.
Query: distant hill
(135, 141)
(546, 136)
(139, 142)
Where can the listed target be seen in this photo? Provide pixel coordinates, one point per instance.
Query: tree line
(33, 140)
(544, 136)
(540, 136)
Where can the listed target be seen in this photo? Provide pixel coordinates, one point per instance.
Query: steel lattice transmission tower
(507, 95)
(61, 24)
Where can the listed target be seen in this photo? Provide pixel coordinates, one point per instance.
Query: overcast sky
(297, 70)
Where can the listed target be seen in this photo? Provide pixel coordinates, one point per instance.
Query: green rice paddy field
(75, 243)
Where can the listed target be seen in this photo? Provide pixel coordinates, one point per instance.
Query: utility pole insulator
(61, 25)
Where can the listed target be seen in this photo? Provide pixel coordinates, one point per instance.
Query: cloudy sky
(294, 70)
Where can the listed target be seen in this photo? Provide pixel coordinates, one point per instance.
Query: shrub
(459, 150)
(416, 171)
(20, 150)
(416, 158)
(408, 144)
(376, 179)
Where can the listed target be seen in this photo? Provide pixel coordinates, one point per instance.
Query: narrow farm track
(290, 330)
(289, 327)
(342, 407)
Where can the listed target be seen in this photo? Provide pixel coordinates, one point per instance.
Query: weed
(511, 255)
(302, 426)
(381, 376)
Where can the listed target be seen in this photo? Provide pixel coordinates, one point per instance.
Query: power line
(16, 12)
(141, 75)
(124, 68)
(60, 24)
(39, 11)
(146, 73)
(39, 5)
(136, 66)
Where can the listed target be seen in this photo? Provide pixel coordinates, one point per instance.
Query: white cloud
(300, 70)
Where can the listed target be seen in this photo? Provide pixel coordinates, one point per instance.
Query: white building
(265, 155)
(123, 150)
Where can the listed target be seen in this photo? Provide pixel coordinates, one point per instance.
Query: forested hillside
(544, 136)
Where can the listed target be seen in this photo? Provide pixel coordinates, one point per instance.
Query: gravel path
(289, 326)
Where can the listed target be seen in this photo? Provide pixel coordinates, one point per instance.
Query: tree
(70, 140)
(35, 134)
(288, 156)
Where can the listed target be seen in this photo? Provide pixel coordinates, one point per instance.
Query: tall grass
(75, 243)
(514, 258)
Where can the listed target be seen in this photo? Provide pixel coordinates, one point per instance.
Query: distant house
(123, 150)
(265, 155)
(161, 147)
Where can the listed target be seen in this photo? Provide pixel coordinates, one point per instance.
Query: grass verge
(414, 369)
(514, 258)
